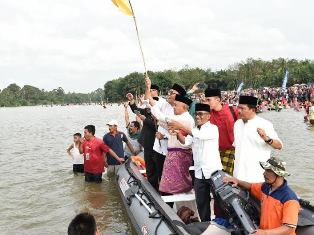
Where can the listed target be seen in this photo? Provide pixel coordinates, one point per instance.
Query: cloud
(80, 45)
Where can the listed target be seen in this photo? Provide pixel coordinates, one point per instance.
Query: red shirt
(224, 120)
(94, 151)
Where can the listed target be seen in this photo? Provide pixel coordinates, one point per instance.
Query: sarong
(175, 175)
(227, 160)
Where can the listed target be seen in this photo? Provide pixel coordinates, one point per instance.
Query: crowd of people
(211, 130)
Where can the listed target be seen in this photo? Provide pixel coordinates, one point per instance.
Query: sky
(81, 44)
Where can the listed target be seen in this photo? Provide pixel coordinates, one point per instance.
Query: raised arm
(126, 115)
(148, 95)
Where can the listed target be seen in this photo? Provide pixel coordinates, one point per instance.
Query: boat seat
(180, 197)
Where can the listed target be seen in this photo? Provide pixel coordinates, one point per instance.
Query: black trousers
(202, 195)
(150, 167)
(78, 168)
(89, 177)
(158, 161)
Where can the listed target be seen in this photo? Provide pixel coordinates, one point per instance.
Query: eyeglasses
(171, 92)
(200, 114)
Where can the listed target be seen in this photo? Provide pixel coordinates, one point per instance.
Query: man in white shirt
(161, 109)
(254, 138)
(205, 147)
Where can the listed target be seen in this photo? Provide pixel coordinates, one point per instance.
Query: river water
(40, 195)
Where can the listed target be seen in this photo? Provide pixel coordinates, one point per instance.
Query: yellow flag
(124, 6)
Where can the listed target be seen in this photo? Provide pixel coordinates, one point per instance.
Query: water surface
(40, 195)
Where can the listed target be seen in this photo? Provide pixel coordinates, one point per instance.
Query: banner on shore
(285, 80)
(240, 88)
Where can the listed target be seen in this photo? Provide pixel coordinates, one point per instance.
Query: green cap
(276, 165)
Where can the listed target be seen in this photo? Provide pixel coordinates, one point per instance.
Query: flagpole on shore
(138, 38)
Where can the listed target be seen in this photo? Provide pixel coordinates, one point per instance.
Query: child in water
(74, 153)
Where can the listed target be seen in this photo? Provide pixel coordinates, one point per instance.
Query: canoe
(149, 214)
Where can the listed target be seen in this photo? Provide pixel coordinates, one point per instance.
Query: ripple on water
(40, 195)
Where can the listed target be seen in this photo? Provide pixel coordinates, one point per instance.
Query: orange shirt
(278, 207)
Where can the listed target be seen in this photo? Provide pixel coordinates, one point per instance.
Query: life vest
(140, 163)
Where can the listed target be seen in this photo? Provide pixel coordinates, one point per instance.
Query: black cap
(183, 99)
(212, 92)
(155, 87)
(202, 107)
(245, 99)
(179, 89)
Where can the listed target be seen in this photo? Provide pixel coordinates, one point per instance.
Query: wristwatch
(269, 141)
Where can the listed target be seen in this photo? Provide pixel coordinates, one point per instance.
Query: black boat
(149, 214)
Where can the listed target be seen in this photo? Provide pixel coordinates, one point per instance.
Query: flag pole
(138, 38)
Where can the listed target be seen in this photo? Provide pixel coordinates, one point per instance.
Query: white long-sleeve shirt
(187, 121)
(250, 148)
(162, 110)
(205, 149)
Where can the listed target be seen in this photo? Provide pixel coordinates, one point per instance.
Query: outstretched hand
(148, 83)
(234, 181)
(262, 133)
(129, 96)
(174, 125)
(121, 160)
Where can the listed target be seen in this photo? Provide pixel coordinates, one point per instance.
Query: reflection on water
(40, 195)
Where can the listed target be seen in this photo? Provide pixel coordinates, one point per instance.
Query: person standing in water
(94, 150)
(74, 152)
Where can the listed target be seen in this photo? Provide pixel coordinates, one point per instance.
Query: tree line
(13, 96)
(254, 73)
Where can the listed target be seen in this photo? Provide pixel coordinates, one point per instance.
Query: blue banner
(285, 80)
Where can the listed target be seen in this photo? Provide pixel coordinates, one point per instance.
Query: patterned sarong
(175, 175)
(227, 160)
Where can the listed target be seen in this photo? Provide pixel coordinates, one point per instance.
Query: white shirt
(162, 110)
(188, 122)
(205, 147)
(250, 148)
(77, 157)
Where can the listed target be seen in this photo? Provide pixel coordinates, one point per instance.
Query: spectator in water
(94, 150)
(74, 152)
(83, 224)
(114, 139)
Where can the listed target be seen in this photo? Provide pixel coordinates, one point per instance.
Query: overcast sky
(81, 44)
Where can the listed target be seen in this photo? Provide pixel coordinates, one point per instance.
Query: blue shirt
(116, 144)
